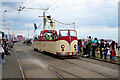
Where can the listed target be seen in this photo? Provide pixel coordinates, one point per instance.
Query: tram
(63, 43)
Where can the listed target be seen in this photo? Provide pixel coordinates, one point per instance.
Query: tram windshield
(65, 33)
(73, 33)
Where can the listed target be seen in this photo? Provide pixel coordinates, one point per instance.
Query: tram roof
(48, 30)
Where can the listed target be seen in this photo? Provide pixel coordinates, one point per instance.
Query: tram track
(51, 68)
(61, 77)
(82, 68)
(67, 72)
(20, 67)
(88, 69)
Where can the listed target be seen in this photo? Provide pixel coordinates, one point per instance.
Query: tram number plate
(70, 53)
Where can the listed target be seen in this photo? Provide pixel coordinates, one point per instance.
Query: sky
(97, 18)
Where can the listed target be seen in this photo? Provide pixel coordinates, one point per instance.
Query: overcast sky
(98, 18)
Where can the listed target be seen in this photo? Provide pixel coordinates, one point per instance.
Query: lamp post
(4, 19)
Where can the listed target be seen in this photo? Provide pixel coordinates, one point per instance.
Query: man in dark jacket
(101, 48)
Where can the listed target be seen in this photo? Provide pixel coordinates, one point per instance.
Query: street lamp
(4, 19)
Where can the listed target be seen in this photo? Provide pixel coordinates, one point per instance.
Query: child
(108, 48)
(113, 55)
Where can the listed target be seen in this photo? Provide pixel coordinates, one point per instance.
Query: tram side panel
(35, 44)
(60, 47)
(48, 46)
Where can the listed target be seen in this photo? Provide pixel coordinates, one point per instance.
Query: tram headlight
(75, 46)
(62, 46)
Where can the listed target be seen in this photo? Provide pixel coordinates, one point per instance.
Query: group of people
(4, 50)
(93, 45)
(50, 37)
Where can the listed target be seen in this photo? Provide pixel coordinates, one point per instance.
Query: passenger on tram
(46, 36)
(50, 38)
(55, 36)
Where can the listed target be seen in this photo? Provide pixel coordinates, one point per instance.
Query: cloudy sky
(98, 18)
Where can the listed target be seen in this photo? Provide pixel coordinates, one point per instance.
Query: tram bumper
(66, 53)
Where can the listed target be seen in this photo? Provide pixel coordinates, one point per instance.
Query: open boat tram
(62, 43)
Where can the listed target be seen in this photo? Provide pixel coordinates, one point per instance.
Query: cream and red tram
(65, 45)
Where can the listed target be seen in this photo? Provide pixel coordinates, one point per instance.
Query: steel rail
(20, 67)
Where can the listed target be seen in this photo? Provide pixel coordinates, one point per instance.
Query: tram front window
(73, 33)
(63, 33)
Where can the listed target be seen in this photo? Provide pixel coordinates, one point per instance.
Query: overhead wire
(64, 23)
(53, 4)
(29, 3)
(20, 7)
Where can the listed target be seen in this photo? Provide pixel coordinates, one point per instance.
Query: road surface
(43, 65)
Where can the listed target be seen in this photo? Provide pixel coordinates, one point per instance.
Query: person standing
(105, 52)
(1, 52)
(107, 43)
(84, 47)
(4, 46)
(112, 47)
(94, 45)
(101, 48)
(113, 55)
(88, 47)
(97, 47)
(80, 45)
(118, 46)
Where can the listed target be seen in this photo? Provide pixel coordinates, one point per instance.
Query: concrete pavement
(11, 68)
(0, 73)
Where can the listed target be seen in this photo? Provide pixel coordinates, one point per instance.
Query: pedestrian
(4, 45)
(94, 45)
(1, 52)
(84, 47)
(113, 55)
(112, 47)
(107, 43)
(101, 48)
(118, 46)
(105, 52)
(97, 47)
(80, 45)
(88, 47)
